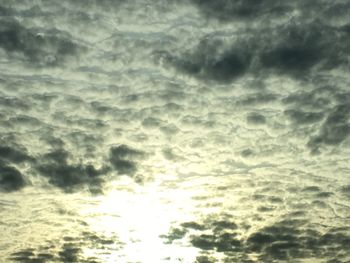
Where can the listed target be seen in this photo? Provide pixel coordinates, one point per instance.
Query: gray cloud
(301, 117)
(301, 46)
(256, 118)
(285, 240)
(69, 249)
(70, 177)
(226, 10)
(41, 49)
(316, 99)
(14, 103)
(257, 98)
(123, 159)
(11, 179)
(207, 62)
(294, 49)
(334, 130)
(14, 155)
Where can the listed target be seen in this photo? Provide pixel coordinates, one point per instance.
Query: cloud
(299, 47)
(226, 10)
(289, 238)
(319, 98)
(23, 255)
(14, 103)
(70, 177)
(291, 59)
(256, 118)
(70, 249)
(296, 49)
(123, 158)
(40, 49)
(13, 155)
(4, 11)
(247, 152)
(222, 238)
(301, 117)
(207, 61)
(257, 98)
(334, 130)
(276, 240)
(69, 253)
(11, 179)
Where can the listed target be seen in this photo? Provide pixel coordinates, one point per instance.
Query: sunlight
(139, 218)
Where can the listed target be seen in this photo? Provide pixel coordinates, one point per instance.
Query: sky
(189, 131)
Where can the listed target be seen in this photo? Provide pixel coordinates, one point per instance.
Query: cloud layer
(239, 109)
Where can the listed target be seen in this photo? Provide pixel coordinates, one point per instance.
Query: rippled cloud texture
(232, 117)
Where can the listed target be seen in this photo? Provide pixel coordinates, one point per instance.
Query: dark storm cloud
(56, 167)
(123, 159)
(335, 129)
(11, 179)
(48, 48)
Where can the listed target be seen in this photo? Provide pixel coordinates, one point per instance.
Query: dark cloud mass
(69, 249)
(194, 131)
(56, 167)
(123, 159)
(207, 63)
(294, 49)
(226, 10)
(300, 117)
(13, 155)
(47, 48)
(10, 178)
(287, 240)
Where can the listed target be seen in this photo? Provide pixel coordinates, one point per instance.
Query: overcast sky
(175, 131)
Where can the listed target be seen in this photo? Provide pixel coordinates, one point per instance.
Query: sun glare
(139, 218)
